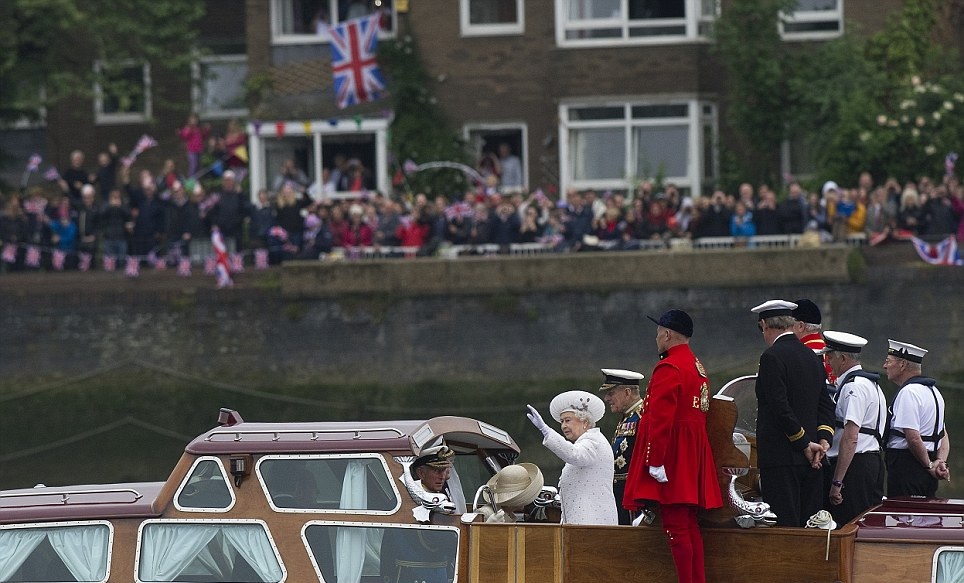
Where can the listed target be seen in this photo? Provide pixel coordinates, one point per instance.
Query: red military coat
(672, 433)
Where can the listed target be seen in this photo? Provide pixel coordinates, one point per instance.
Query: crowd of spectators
(108, 212)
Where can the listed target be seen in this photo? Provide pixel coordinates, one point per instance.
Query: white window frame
(695, 119)
(813, 16)
(102, 118)
(264, 525)
(698, 19)
(521, 127)
(314, 563)
(329, 456)
(110, 535)
(937, 554)
(279, 37)
(184, 483)
(317, 130)
(504, 28)
(199, 83)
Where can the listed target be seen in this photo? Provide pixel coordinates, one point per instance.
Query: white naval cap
(842, 342)
(619, 376)
(771, 308)
(577, 401)
(906, 351)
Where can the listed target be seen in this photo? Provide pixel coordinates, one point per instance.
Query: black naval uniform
(793, 410)
(623, 441)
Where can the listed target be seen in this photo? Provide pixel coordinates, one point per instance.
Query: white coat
(586, 483)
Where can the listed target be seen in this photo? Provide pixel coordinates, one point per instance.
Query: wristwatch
(837, 483)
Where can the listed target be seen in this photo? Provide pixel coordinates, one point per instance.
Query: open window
(347, 483)
(206, 488)
(813, 20)
(179, 550)
(359, 553)
(307, 21)
(77, 551)
(498, 140)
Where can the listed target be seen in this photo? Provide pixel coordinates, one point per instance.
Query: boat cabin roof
(40, 503)
(915, 518)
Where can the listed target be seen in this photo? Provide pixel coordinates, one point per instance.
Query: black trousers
(619, 486)
(794, 493)
(906, 477)
(863, 486)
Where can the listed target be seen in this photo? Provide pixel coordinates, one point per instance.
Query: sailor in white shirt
(856, 474)
(917, 441)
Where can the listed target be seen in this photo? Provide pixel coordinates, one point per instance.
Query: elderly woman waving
(586, 483)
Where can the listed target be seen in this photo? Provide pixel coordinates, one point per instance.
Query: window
(353, 552)
(948, 565)
(78, 551)
(813, 19)
(333, 483)
(613, 22)
(306, 21)
(206, 488)
(179, 550)
(491, 17)
(494, 139)
(122, 93)
(611, 146)
(219, 86)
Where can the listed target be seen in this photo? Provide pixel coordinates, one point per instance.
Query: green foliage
(758, 66)
(47, 47)
(420, 132)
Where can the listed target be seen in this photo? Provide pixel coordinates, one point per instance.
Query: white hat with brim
(577, 402)
(842, 342)
(906, 351)
(771, 308)
(516, 485)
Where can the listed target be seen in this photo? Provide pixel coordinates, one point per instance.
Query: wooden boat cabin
(334, 503)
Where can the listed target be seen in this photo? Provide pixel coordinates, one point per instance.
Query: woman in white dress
(586, 483)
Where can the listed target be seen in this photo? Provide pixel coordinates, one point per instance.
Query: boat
(334, 503)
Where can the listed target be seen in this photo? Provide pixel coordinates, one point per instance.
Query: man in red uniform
(808, 330)
(673, 463)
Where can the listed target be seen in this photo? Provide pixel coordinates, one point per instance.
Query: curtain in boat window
(169, 549)
(16, 544)
(83, 549)
(350, 542)
(950, 566)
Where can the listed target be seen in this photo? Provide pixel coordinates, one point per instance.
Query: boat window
(357, 483)
(55, 552)
(206, 488)
(948, 565)
(356, 552)
(207, 550)
(743, 391)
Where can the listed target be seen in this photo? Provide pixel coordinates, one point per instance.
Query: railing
(64, 497)
(529, 249)
(316, 434)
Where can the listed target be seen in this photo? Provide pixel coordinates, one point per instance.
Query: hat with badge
(842, 342)
(616, 377)
(515, 486)
(806, 311)
(771, 308)
(906, 351)
(675, 320)
(577, 402)
(436, 457)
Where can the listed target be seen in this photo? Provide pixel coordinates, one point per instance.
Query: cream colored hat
(577, 401)
(516, 485)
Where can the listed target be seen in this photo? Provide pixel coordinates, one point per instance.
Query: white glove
(658, 473)
(536, 420)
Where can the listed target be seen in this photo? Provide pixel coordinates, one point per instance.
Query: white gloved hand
(536, 420)
(658, 473)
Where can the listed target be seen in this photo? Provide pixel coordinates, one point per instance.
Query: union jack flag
(33, 256)
(10, 253)
(110, 263)
(184, 267)
(58, 259)
(237, 262)
(144, 143)
(51, 174)
(83, 261)
(353, 46)
(943, 253)
(34, 163)
(261, 259)
(132, 267)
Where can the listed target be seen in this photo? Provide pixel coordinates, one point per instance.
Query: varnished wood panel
(875, 562)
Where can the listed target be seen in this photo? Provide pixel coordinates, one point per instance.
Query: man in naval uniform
(917, 441)
(809, 322)
(856, 473)
(794, 418)
(620, 390)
